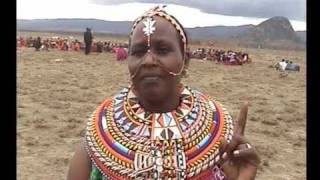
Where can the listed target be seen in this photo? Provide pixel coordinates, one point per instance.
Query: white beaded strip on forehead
(158, 11)
(149, 29)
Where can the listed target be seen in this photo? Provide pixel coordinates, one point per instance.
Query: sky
(191, 13)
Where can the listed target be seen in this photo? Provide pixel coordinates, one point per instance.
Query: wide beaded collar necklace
(126, 142)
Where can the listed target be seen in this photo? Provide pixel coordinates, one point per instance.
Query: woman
(158, 128)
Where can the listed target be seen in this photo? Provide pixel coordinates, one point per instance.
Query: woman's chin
(152, 90)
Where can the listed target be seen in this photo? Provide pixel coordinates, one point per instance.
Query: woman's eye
(138, 53)
(163, 51)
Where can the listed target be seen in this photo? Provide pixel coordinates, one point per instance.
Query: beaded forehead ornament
(149, 28)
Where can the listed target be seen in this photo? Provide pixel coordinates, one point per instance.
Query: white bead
(159, 161)
(159, 168)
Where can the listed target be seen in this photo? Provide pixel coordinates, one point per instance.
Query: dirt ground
(57, 91)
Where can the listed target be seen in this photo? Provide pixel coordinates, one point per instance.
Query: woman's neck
(167, 105)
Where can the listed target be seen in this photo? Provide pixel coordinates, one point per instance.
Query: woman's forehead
(164, 30)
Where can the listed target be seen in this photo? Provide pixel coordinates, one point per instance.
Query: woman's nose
(149, 58)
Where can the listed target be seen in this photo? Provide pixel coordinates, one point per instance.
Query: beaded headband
(149, 28)
(159, 11)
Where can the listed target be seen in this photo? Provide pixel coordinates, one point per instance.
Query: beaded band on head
(149, 30)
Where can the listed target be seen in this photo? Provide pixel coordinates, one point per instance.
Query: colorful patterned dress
(126, 142)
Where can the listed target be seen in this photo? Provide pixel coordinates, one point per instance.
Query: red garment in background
(121, 54)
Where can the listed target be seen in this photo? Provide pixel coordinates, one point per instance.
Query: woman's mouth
(151, 78)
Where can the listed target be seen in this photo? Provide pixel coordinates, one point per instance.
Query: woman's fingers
(248, 154)
(241, 152)
(242, 119)
(238, 147)
(235, 142)
(223, 147)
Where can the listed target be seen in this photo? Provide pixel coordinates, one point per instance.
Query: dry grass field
(55, 98)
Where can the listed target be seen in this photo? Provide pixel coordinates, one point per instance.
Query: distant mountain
(273, 30)
(276, 32)
(120, 27)
(217, 31)
(302, 35)
(75, 25)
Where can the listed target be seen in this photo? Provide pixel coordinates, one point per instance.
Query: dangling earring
(180, 88)
(134, 91)
(185, 73)
(132, 87)
(129, 79)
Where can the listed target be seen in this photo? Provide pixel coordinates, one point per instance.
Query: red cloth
(121, 54)
(115, 49)
(211, 174)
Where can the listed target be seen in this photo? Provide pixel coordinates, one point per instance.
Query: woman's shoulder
(212, 100)
(109, 100)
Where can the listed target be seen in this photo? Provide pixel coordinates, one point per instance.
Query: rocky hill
(276, 32)
(276, 28)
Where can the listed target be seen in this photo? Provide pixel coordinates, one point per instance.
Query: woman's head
(159, 11)
(157, 54)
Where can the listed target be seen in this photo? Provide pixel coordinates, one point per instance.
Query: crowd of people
(72, 44)
(221, 56)
(65, 44)
(121, 49)
(286, 65)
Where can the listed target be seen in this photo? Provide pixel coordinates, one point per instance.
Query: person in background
(283, 65)
(37, 44)
(88, 40)
(121, 53)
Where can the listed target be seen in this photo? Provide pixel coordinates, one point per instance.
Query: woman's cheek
(132, 65)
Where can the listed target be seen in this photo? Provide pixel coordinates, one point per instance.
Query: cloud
(47, 9)
(292, 9)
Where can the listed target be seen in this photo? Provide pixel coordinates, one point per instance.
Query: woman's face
(152, 79)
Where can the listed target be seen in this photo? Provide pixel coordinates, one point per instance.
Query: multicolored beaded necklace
(126, 142)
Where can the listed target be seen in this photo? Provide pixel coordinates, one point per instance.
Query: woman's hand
(240, 157)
